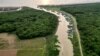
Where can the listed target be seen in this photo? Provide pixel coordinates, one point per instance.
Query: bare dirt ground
(11, 39)
(9, 50)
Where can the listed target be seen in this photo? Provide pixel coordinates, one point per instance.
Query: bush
(52, 48)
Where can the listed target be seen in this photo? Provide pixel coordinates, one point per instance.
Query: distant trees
(28, 23)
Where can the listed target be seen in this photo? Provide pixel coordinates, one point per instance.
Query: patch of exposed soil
(8, 52)
(7, 42)
(9, 39)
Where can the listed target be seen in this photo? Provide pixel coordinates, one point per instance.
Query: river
(66, 47)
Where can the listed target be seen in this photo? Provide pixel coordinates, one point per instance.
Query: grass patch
(76, 45)
(31, 52)
(31, 43)
(52, 48)
(31, 47)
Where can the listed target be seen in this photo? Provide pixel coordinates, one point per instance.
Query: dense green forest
(88, 19)
(28, 23)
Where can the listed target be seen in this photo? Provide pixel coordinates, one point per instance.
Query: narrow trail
(77, 32)
(66, 47)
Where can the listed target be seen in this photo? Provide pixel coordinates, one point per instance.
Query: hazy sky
(31, 2)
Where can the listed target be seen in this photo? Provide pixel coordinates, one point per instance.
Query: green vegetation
(52, 48)
(76, 45)
(38, 47)
(88, 19)
(30, 53)
(72, 26)
(28, 23)
(31, 47)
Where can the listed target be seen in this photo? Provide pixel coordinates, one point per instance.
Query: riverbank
(66, 47)
(72, 32)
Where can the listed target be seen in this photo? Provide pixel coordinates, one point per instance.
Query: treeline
(88, 19)
(28, 23)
